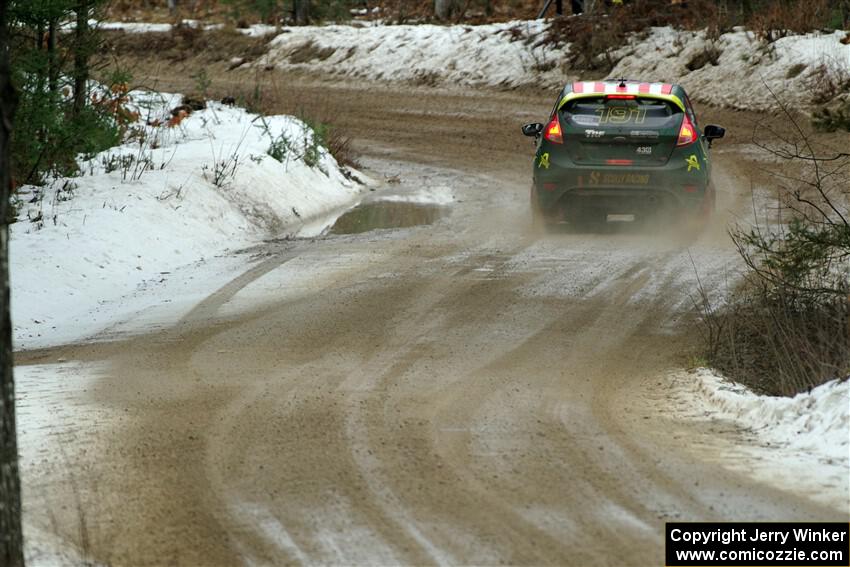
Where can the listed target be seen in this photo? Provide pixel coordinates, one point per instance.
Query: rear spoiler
(666, 97)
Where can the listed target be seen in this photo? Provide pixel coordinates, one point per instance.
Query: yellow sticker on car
(693, 163)
(544, 161)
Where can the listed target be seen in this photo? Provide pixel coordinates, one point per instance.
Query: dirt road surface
(465, 392)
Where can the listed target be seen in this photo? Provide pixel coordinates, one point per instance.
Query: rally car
(621, 150)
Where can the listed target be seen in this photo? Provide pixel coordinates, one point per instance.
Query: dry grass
(185, 42)
(264, 95)
(780, 19)
(211, 11)
(828, 81)
(339, 146)
(779, 344)
(310, 52)
(396, 11)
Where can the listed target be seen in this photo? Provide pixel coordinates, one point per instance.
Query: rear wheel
(709, 203)
(539, 221)
(695, 221)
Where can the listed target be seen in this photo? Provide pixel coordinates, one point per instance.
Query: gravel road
(468, 391)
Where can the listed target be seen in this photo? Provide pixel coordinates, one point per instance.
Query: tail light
(687, 133)
(553, 131)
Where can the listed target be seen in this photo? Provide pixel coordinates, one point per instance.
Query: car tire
(539, 222)
(696, 221)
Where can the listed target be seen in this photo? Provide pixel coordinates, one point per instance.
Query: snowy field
(87, 250)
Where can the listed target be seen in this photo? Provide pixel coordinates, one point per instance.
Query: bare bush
(339, 146)
(776, 20)
(596, 36)
(786, 329)
(833, 118)
(827, 81)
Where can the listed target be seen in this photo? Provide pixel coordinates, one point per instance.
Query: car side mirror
(713, 132)
(533, 129)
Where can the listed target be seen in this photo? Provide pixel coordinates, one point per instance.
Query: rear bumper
(620, 190)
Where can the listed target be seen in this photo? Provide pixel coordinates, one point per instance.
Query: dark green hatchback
(621, 149)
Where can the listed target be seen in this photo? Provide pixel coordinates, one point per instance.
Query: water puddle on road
(387, 214)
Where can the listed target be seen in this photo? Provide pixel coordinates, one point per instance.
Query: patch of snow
(55, 421)
(800, 443)
(141, 211)
(437, 195)
(256, 30)
(133, 27)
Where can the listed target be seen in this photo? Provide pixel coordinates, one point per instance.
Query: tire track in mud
(527, 542)
(371, 424)
(206, 310)
(354, 388)
(191, 345)
(536, 418)
(347, 476)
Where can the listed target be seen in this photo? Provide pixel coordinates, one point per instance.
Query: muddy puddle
(387, 214)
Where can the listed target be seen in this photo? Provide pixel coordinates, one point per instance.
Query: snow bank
(732, 70)
(802, 443)
(745, 70)
(509, 55)
(485, 55)
(141, 210)
(815, 423)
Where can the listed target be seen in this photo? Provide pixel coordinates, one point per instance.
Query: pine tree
(11, 535)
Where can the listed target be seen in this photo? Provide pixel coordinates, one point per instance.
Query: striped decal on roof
(597, 87)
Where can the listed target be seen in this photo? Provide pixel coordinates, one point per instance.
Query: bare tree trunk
(11, 535)
(81, 56)
(443, 9)
(39, 37)
(302, 12)
(52, 58)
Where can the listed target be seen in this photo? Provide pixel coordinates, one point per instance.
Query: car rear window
(602, 112)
